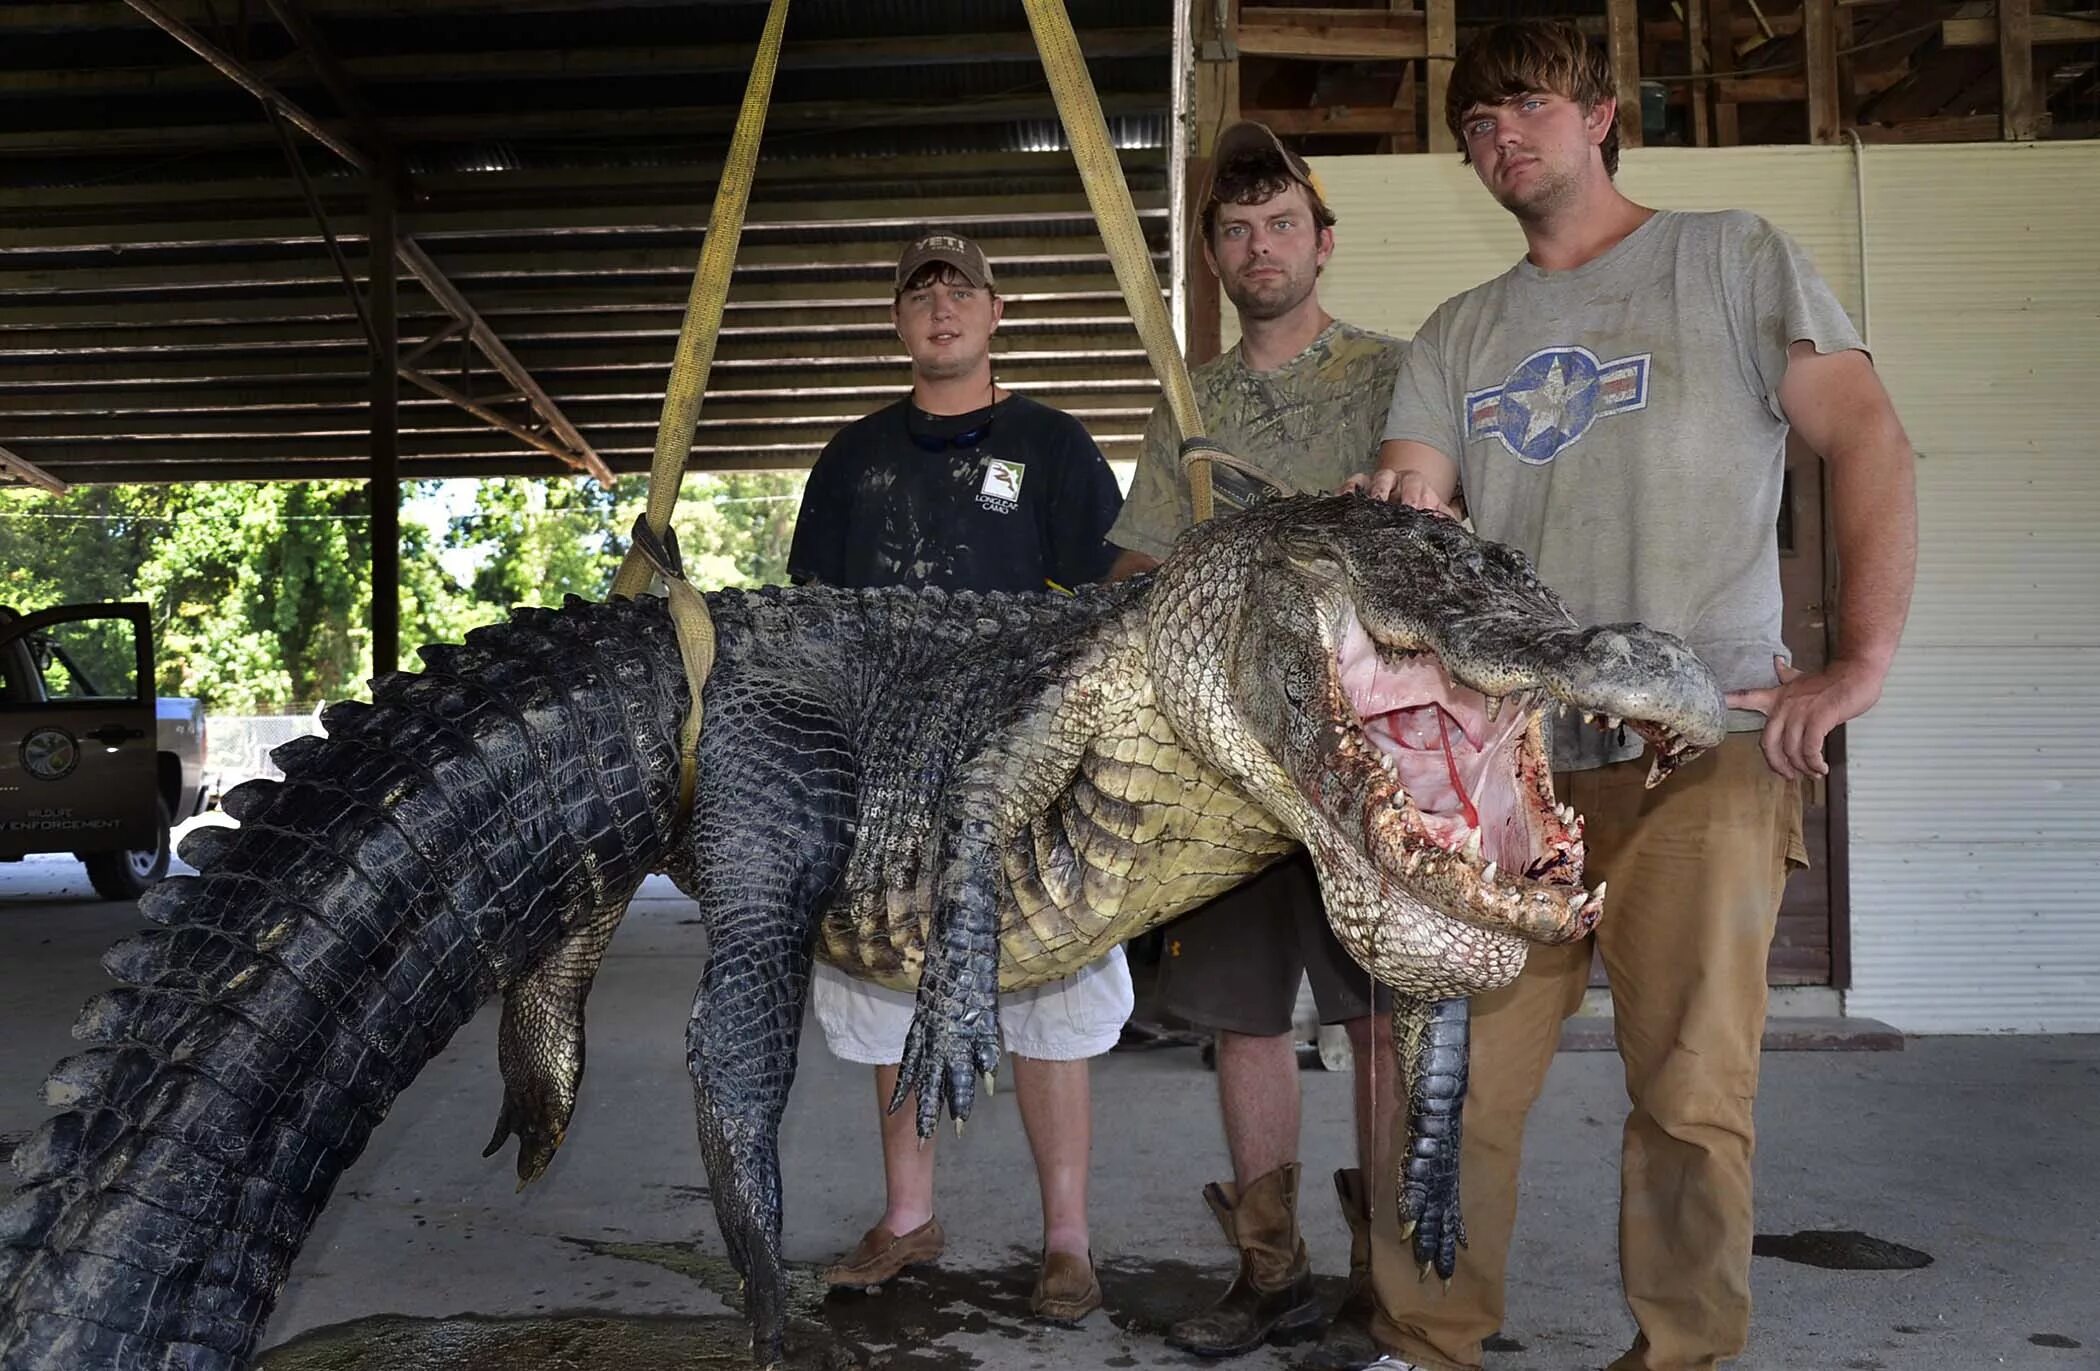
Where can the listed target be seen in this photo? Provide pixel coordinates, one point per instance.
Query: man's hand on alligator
(992, 790)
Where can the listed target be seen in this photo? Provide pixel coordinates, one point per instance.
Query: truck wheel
(126, 875)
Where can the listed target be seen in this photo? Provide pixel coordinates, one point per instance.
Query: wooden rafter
(21, 469)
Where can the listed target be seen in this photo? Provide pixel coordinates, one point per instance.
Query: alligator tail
(425, 854)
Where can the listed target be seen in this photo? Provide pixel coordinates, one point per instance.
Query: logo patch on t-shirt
(1552, 397)
(1001, 490)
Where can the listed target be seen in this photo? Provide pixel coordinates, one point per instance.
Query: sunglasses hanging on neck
(961, 440)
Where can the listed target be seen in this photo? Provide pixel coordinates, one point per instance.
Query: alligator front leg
(540, 1045)
(954, 1036)
(1429, 1037)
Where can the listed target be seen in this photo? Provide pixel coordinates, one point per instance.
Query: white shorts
(1077, 1017)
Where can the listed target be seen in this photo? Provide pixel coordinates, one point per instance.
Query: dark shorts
(1235, 963)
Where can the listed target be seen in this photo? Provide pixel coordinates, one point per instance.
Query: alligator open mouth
(1464, 807)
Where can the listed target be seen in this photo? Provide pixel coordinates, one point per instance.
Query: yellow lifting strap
(654, 551)
(1109, 195)
(655, 548)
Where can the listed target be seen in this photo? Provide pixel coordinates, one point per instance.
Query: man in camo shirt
(1300, 400)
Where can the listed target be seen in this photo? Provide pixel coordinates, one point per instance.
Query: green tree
(261, 593)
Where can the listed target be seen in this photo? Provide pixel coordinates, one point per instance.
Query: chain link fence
(238, 747)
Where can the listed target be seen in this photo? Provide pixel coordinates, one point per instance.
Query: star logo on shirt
(1551, 398)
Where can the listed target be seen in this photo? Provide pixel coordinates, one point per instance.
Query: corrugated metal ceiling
(168, 310)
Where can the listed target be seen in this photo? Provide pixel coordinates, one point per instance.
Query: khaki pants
(1697, 867)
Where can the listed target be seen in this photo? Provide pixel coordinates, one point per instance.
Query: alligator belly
(1144, 833)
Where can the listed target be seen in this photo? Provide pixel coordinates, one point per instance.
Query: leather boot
(1271, 1299)
(1347, 1344)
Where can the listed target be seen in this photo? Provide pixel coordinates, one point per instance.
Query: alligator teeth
(1473, 846)
(1487, 877)
(1598, 894)
(1577, 901)
(1588, 717)
(1414, 859)
(1494, 704)
(1611, 721)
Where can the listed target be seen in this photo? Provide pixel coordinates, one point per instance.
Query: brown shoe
(1271, 1299)
(1347, 1344)
(1067, 1289)
(881, 1254)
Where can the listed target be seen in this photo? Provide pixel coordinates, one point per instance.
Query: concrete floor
(1983, 1153)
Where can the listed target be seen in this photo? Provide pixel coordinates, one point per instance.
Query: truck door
(78, 766)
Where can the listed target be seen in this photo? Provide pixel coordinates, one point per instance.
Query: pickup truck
(92, 762)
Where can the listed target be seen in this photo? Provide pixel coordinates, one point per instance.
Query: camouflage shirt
(1307, 426)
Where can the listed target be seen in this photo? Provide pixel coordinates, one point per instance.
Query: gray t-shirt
(1307, 426)
(1619, 423)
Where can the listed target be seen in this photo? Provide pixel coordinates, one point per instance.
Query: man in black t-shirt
(965, 486)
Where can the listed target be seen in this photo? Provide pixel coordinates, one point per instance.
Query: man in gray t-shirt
(1617, 406)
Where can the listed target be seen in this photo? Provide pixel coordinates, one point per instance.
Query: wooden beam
(490, 416)
(1298, 123)
(28, 16)
(1404, 96)
(778, 182)
(1778, 88)
(1946, 128)
(596, 64)
(469, 437)
(2044, 30)
(984, 218)
(1034, 298)
(1745, 26)
(1696, 54)
(1332, 35)
(383, 491)
(1041, 322)
(346, 416)
(2019, 103)
(637, 380)
(21, 469)
(1019, 256)
(813, 117)
(1215, 104)
(573, 354)
(1819, 36)
(1623, 19)
(1441, 38)
(1720, 54)
(246, 80)
(441, 288)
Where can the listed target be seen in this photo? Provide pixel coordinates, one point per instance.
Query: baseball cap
(1250, 141)
(952, 249)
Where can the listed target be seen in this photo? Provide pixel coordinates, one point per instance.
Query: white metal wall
(1975, 785)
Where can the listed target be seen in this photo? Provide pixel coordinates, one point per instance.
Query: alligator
(962, 792)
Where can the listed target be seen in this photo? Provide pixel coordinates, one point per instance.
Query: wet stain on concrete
(902, 1328)
(556, 1343)
(1495, 1342)
(1842, 1249)
(2053, 1340)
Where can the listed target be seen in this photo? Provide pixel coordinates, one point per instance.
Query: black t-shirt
(1026, 500)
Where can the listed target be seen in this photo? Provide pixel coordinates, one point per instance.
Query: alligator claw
(538, 1139)
(943, 1063)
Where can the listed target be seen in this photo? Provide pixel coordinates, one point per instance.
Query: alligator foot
(1429, 1037)
(540, 1044)
(539, 1136)
(945, 1054)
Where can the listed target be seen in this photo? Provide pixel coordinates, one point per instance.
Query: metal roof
(169, 309)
